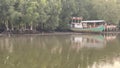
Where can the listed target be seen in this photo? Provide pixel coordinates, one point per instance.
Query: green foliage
(49, 15)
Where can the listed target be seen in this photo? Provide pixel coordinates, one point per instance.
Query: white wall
(78, 25)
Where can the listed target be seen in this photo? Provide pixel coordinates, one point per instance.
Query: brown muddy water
(60, 51)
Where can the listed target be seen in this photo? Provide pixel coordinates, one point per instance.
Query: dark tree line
(51, 15)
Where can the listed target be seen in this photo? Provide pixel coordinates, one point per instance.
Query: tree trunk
(25, 28)
(12, 28)
(22, 28)
(6, 25)
(31, 26)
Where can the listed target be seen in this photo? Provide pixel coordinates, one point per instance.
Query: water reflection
(62, 51)
(91, 41)
(88, 41)
(110, 63)
(110, 37)
(6, 43)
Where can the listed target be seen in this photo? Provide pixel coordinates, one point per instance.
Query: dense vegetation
(51, 15)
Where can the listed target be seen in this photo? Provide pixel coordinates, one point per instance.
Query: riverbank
(58, 33)
(41, 33)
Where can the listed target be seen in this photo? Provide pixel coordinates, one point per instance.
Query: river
(60, 51)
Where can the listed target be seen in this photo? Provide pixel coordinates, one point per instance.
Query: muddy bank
(55, 33)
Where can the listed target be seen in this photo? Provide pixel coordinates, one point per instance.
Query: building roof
(92, 21)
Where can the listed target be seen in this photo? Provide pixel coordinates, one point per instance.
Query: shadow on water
(60, 51)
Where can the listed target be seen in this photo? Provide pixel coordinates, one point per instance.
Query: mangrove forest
(54, 15)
